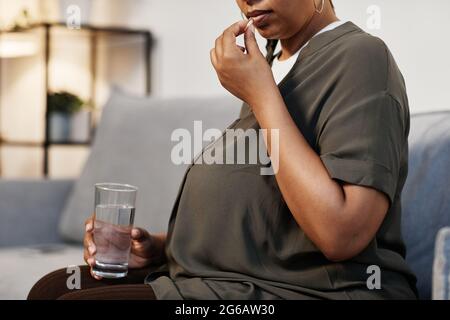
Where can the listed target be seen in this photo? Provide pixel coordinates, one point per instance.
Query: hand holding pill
(243, 71)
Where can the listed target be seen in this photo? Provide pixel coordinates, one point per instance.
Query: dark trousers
(54, 287)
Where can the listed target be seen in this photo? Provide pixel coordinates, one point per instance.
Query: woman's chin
(269, 31)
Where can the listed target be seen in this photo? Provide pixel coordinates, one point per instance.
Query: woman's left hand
(247, 76)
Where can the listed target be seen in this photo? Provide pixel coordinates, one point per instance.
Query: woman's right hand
(145, 250)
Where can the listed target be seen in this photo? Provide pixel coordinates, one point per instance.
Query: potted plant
(68, 121)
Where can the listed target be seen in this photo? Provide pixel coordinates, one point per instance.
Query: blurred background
(91, 91)
(88, 62)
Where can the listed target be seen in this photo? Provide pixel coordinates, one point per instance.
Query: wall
(417, 34)
(22, 83)
(21, 102)
(185, 31)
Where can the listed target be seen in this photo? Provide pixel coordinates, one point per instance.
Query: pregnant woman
(327, 225)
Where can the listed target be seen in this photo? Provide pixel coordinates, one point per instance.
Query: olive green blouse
(231, 234)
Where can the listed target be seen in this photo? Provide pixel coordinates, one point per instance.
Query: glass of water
(113, 221)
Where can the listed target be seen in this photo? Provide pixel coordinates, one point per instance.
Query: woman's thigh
(117, 292)
(55, 285)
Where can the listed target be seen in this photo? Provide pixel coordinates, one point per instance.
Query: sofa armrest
(441, 266)
(30, 211)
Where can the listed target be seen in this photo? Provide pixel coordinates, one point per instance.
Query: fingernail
(91, 249)
(88, 227)
(96, 277)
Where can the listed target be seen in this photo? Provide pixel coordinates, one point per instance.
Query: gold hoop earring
(319, 11)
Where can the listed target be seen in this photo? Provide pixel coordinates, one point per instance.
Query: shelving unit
(94, 33)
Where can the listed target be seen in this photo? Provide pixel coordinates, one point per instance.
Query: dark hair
(272, 44)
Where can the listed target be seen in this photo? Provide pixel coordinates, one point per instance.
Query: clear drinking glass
(113, 221)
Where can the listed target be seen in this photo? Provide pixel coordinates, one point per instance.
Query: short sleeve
(362, 143)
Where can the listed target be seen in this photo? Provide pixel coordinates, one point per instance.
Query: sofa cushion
(425, 198)
(133, 145)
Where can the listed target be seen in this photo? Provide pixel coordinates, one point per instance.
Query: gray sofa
(41, 220)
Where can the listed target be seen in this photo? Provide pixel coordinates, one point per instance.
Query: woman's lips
(259, 17)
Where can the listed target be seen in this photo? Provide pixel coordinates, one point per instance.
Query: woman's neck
(291, 45)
